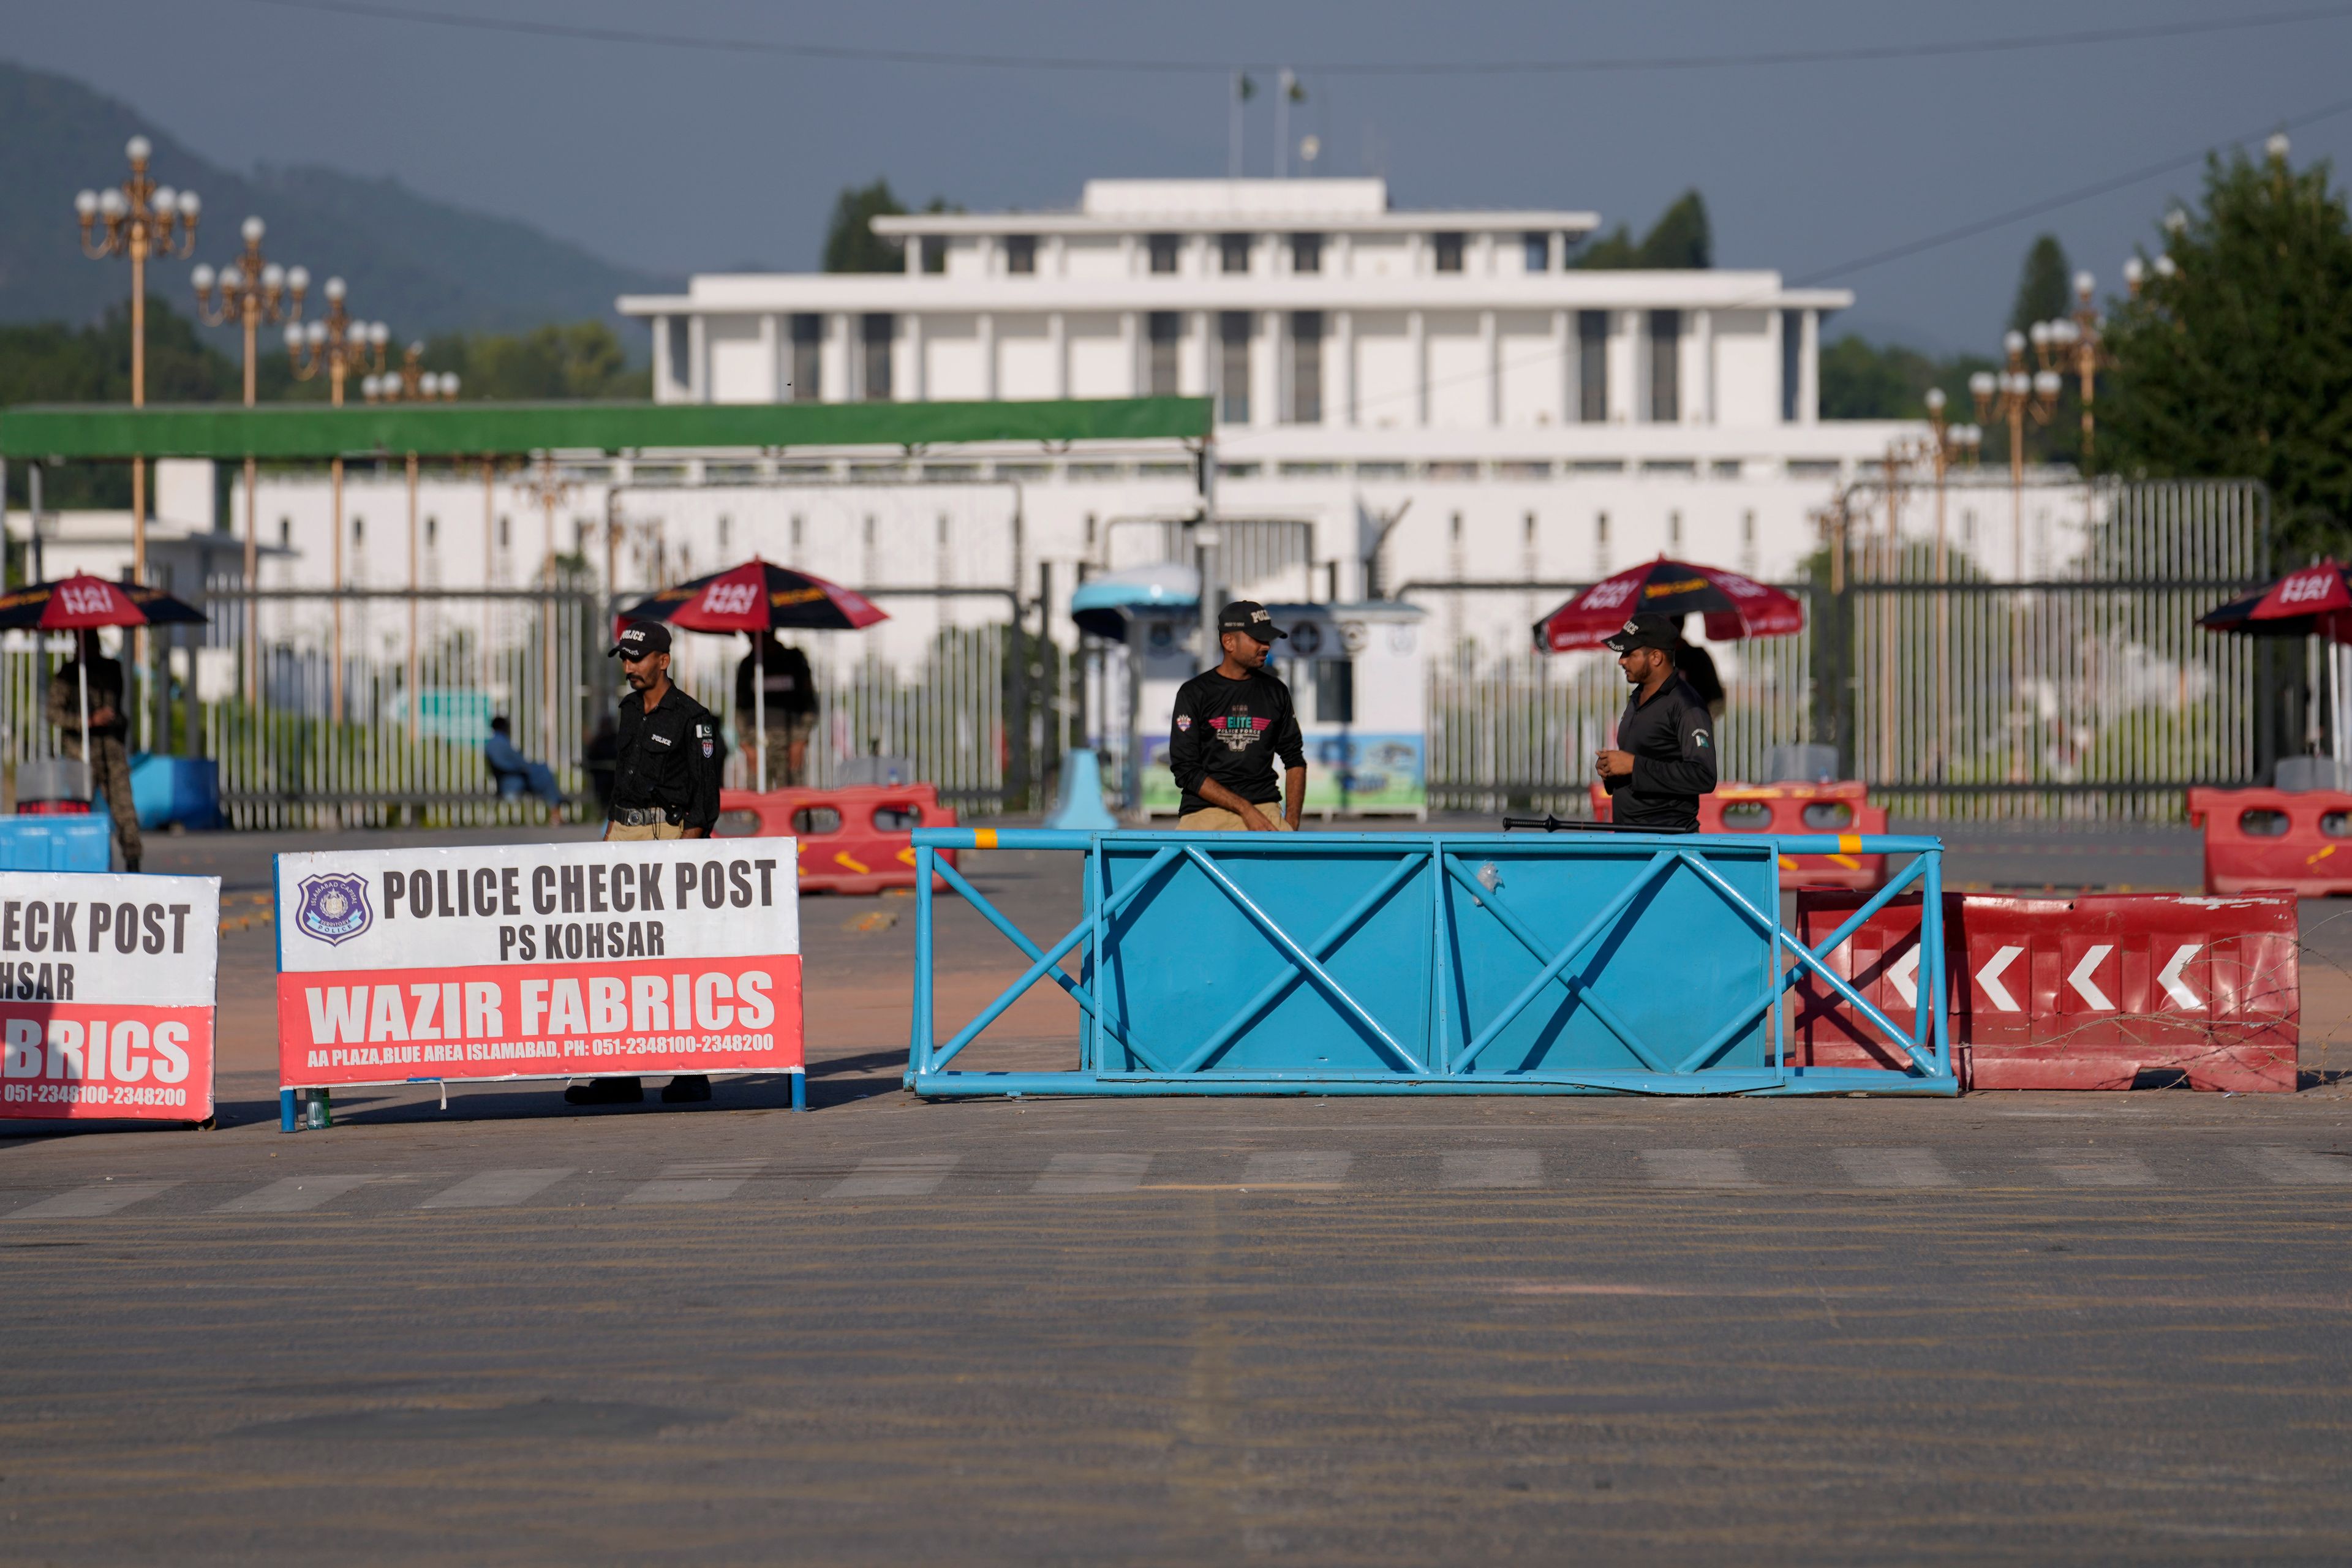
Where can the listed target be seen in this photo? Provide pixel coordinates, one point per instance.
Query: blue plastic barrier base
(1795, 1081)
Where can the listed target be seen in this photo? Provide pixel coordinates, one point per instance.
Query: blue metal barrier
(1431, 963)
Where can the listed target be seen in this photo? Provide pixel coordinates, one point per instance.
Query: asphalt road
(2007, 1328)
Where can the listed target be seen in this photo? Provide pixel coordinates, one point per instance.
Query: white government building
(1402, 398)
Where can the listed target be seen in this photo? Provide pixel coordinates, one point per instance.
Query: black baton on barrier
(1549, 824)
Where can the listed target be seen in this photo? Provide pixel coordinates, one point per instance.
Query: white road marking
(1896, 1168)
(89, 1203)
(2297, 1167)
(2085, 1167)
(1073, 1174)
(1696, 1168)
(2085, 986)
(1490, 1168)
(294, 1195)
(1990, 978)
(696, 1182)
(895, 1177)
(494, 1189)
(1298, 1168)
(2168, 977)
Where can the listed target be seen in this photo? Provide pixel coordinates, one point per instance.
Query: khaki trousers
(110, 775)
(621, 832)
(1217, 819)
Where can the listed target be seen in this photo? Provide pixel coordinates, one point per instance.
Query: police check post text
(539, 961)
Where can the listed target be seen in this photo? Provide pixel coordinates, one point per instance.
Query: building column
(1204, 323)
(1490, 355)
(917, 381)
(1057, 255)
(1057, 349)
(697, 359)
(842, 377)
(1485, 252)
(665, 389)
(1416, 335)
(768, 357)
(1565, 350)
(1139, 381)
(988, 355)
(1343, 332)
(1629, 380)
(1268, 372)
(1776, 343)
(1809, 370)
(1343, 254)
(1701, 408)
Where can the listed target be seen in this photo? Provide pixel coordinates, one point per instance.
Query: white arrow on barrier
(2168, 977)
(1990, 978)
(2084, 987)
(1905, 977)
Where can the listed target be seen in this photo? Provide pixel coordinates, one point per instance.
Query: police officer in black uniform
(1664, 756)
(665, 785)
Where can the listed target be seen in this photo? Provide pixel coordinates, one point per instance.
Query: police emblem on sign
(334, 906)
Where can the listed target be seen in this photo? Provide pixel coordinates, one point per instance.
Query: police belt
(645, 815)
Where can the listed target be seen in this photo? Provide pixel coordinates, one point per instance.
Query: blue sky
(688, 160)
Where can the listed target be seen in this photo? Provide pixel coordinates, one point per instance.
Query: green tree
(562, 362)
(1680, 240)
(850, 243)
(2239, 363)
(2045, 289)
(1862, 380)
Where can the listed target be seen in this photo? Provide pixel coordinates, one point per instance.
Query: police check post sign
(107, 995)
(538, 960)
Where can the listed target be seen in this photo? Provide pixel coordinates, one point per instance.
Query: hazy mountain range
(421, 265)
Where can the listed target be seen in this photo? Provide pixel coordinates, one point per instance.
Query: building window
(726, 528)
(1307, 367)
(1674, 529)
(1232, 251)
(358, 529)
(1792, 361)
(1538, 248)
(932, 252)
(796, 531)
(878, 333)
(1600, 528)
(1163, 252)
(681, 357)
(808, 360)
(1528, 524)
(1234, 367)
(1454, 528)
(506, 530)
(1592, 366)
(285, 532)
(1167, 332)
(1335, 690)
(1021, 252)
(432, 530)
(1307, 253)
(1449, 252)
(1665, 366)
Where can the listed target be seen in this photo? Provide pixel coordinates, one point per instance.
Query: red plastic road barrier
(2105, 991)
(1811, 808)
(2299, 840)
(857, 840)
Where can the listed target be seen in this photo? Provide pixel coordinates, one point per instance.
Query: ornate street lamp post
(413, 382)
(137, 219)
(253, 292)
(2018, 396)
(334, 346)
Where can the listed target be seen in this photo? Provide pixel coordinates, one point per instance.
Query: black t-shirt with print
(1230, 731)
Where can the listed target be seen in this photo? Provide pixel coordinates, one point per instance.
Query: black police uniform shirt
(1230, 731)
(667, 758)
(1673, 759)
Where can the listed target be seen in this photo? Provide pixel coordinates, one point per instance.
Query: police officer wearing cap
(1664, 756)
(665, 785)
(1229, 725)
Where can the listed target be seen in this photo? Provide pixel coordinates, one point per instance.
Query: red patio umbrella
(83, 602)
(756, 597)
(1735, 606)
(2312, 599)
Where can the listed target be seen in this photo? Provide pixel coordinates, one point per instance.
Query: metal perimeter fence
(390, 730)
(2087, 693)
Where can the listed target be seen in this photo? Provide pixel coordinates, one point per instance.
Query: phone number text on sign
(538, 960)
(107, 987)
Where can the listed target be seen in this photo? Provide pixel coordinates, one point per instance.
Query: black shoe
(131, 865)
(685, 1089)
(605, 1092)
